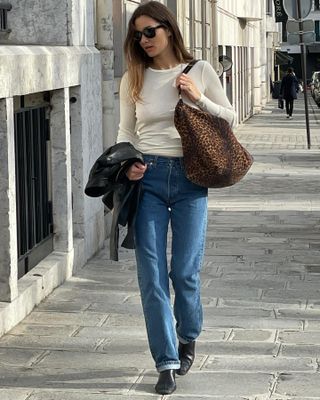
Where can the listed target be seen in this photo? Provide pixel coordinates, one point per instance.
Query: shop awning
(282, 58)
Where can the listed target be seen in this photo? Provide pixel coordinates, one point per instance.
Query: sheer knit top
(149, 125)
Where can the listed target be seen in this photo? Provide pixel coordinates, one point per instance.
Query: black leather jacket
(108, 179)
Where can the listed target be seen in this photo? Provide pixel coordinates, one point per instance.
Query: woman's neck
(166, 62)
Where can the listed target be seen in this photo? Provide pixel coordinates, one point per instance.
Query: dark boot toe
(166, 383)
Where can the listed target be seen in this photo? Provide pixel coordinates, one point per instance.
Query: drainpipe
(214, 32)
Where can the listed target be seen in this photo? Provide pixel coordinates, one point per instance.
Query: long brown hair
(137, 59)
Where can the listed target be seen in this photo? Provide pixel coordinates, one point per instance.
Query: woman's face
(159, 44)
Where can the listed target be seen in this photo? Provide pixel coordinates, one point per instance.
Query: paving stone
(301, 295)
(300, 350)
(237, 348)
(299, 337)
(50, 318)
(112, 332)
(93, 276)
(265, 303)
(94, 361)
(123, 346)
(102, 287)
(251, 323)
(62, 306)
(15, 394)
(299, 314)
(307, 385)
(18, 357)
(49, 342)
(175, 396)
(260, 364)
(241, 271)
(71, 378)
(226, 275)
(43, 330)
(212, 312)
(305, 285)
(213, 335)
(287, 277)
(124, 308)
(230, 293)
(313, 304)
(125, 320)
(88, 395)
(253, 335)
(215, 384)
(280, 397)
(312, 325)
(110, 296)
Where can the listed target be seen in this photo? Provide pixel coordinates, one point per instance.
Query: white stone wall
(38, 22)
(251, 10)
(25, 70)
(72, 75)
(8, 234)
(244, 24)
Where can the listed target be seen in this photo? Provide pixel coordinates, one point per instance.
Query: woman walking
(288, 90)
(156, 56)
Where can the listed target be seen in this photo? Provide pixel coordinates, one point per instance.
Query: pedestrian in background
(288, 90)
(156, 57)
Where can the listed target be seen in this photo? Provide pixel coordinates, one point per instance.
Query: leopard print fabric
(213, 157)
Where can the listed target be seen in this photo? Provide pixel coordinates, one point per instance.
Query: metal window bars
(34, 208)
(4, 8)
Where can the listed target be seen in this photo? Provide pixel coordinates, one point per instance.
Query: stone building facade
(50, 135)
(61, 64)
(247, 33)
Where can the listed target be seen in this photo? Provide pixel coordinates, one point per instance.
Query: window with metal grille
(34, 211)
(269, 7)
(4, 8)
(317, 30)
(316, 5)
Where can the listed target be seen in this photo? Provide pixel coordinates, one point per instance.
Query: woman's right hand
(136, 171)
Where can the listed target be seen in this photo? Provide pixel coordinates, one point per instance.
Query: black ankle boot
(167, 382)
(186, 355)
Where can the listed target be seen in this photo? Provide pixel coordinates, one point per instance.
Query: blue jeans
(169, 196)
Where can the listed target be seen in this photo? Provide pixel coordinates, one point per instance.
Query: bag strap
(189, 66)
(186, 70)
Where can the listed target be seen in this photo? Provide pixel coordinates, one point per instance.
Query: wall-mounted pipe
(214, 35)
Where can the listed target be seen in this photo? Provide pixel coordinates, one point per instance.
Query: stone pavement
(260, 287)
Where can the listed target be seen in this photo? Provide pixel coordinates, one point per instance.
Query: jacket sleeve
(214, 99)
(127, 126)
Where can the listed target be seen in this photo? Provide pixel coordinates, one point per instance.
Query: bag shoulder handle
(189, 66)
(186, 70)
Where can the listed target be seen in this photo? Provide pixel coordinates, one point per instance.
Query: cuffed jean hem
(168, 365)
(184, 341)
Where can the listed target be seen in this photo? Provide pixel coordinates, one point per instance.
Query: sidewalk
(260, 287)
(272, 130)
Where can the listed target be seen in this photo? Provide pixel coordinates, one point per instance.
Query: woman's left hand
(188, 88)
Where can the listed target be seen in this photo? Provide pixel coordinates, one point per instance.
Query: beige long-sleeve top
(149, 124)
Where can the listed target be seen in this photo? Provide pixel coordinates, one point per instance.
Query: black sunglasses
(149, 32)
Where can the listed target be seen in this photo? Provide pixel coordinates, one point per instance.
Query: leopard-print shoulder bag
(213, 157)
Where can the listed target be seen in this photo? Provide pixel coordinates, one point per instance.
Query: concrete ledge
(31, 69)
(35, 286)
